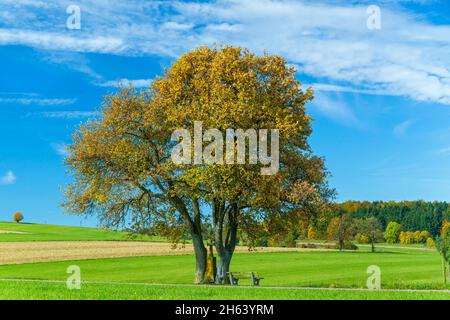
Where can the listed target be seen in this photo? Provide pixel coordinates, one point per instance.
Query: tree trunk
(341, 244)
(194, 225)
(444, 272)
(223, 267)
(373, 246)
(200, 258)
(211, 266)
(225, 242)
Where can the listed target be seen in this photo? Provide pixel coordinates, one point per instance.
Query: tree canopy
(124, 173)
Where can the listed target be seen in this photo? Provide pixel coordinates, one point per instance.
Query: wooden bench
(236, 276)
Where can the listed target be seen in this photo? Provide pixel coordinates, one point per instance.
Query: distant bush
(409, 237)
(424, 235)
(430, 243)
(406, 237)
(308, 246)
(362, 238)
(347, 246)
(18, 216)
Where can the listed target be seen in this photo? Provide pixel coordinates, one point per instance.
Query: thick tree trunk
(200, 258)
(226, 226)
(194, 225)
(223, 267)
(373, 246)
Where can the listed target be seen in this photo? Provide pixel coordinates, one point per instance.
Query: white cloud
(401, 128)
(137, 83)
(64, 114)
(38, 101)
(407, 57)
(333, 107)
(58, 41)
(71, 60)
(8, 178)
(177, 26)
(325, 87)
(60, 149)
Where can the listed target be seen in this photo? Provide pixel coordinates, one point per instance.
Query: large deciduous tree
(124, 173)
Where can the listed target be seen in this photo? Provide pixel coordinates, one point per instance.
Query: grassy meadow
(400, 270)
(52, 291)
(286, 274)
(12, 231)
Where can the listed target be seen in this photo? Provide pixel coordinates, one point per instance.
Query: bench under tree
(236, 276)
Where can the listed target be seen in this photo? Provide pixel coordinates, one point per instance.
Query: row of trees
(395, 234)
(411, 215)
(337, 225)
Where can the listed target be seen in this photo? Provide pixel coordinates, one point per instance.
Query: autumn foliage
(123, 171)
(17, 217)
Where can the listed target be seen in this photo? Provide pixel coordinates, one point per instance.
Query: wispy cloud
(333, 107)
(8, 178)
(60, 149)
(71, 60)
(137, 83)
(407, 57)
(58, 41)
(64, 114)
(326, 87)
(401, 128)
(37, 101)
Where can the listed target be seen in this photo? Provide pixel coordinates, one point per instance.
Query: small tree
(392, 232)
(443, 247)
(445, 228)
(371, 228)
(340, 229)
(18, 216)
(442, 244)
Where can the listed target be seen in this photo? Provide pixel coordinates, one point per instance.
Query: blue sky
(382, 107)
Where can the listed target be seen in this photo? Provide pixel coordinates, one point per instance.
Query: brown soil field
(37, 251)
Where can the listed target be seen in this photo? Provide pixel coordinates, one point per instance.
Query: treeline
(412, 215)
(356, 220)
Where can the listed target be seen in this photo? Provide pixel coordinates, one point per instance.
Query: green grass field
(417, 270)
(32, 290)
(48, 232)
(160, 277)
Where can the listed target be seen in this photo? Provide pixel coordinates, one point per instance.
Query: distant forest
(412, 215)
